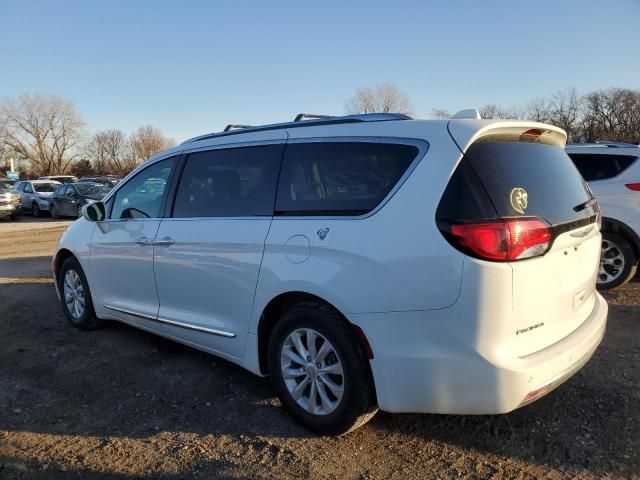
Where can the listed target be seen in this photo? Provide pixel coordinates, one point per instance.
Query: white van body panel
(444, 320)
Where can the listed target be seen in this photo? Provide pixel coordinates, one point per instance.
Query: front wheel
(320, 371)
(75, 296)
(54, 212)
(35, 210)
(618, 262)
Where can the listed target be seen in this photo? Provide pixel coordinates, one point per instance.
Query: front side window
(234, 182)
(141, 196)
(27, 188)
(340, 178)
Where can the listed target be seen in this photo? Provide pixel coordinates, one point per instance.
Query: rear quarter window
(340, 178)
(601, 167)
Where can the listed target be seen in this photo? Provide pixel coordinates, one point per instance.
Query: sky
(191, 67)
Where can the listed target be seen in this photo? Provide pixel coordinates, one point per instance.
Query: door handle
(164, 242)
(144, 241)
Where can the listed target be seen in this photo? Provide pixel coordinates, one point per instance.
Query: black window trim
(421, 145)
(108, 200)
(222, 146)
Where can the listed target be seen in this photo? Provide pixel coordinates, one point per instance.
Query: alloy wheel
(74, 294)
(612, 262)
(312, 371)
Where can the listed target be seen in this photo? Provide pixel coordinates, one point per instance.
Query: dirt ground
(119, 403)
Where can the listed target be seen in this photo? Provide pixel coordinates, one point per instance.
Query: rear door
(554, 293)
(207, 255)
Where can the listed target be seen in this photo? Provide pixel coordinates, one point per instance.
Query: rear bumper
(421, 366)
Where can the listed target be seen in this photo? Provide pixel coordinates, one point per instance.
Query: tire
(356, 404)
(87, 319)
(54, 211)
(618, 261)
(35, 210)
(12, 217)
(79, 211)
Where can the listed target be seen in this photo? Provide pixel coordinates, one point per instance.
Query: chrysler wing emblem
(519, 199)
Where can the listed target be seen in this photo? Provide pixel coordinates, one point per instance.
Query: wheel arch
(616, 226)
(278, 305)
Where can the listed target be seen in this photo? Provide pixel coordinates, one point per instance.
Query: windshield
(88, 189)
(45, 187)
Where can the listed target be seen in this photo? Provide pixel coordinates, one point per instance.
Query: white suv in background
(363, 262)
(613, 173)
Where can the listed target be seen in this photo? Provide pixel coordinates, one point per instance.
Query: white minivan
(364, 262)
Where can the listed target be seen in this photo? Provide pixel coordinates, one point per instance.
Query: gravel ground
(120, 403)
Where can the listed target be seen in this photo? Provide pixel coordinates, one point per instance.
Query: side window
(339, 178)
(59, 191)
(601, 167)
(234, 182)
(18, 187)
(27, 188)
(141, 196)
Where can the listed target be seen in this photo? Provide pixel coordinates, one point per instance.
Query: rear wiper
(589, 203)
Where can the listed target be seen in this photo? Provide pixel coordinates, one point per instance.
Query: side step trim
(188, 326)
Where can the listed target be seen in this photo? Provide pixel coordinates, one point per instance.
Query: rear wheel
(79, 211)
(54, 211)
(35, 210)
(320, 371)
(618, 262)
(75, 296)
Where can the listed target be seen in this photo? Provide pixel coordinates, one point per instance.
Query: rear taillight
(502, 240)
(633, 186)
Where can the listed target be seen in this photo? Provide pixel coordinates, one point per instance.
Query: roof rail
(303, 116)
(232, 126)
(603, 143)
(322, 120)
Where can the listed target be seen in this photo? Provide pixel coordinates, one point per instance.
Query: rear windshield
(45, 187)
(600, 167)
(523, 179)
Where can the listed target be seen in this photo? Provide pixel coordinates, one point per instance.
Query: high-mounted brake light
(633, 186)
(502, 240)
(531, 135)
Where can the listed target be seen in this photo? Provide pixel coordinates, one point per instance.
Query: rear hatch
(533, 192)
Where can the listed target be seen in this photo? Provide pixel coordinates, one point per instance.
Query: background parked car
(612, 171)
(9, 200)
(108, 181)
(60, 178)
(34, 195)
(68, 200)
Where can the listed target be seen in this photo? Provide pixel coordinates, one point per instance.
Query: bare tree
(146, 142)
(440, 113)
(538, 110)
(564, 107)
(383, 98)
(43, 129)
(109, 152)
(499, 112)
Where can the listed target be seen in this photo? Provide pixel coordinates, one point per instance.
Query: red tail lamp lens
(633, 186)
(503, 240)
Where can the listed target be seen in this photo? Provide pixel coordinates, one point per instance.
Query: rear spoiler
(465, 132)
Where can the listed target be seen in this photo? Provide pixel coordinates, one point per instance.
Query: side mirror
(94, 212)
